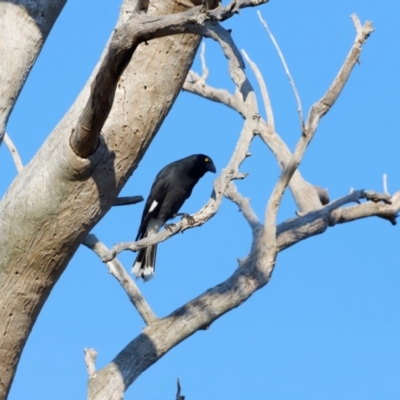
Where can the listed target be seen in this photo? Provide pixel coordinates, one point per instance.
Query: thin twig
(291, 80)
(14, 152)
(264, 91)
(321, 107)
(203, 61)
(118, 271)
(385, 185)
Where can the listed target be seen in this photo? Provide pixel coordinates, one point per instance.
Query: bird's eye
(207, 160)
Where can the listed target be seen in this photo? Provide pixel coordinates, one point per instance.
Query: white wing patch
(153, 206)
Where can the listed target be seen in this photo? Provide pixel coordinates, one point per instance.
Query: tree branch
(303, 192)
(231, 172)
(14, 152)
(128, 200)
(139, 28)
(286, 68)
(196, 85)
(200, 312)
(117, 270)
(264, 92)
(27, 23)
(255, 270)
(295, 230)
(317, 111)
(233, 195)
(320, 108)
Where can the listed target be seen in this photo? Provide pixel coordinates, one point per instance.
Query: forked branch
(138, 29)
(255, 270)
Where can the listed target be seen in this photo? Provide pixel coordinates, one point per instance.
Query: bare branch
(117, 270)
(305, 195)
(128, 200)
(222, 13)
(14, 152)
(291, 80)
(139, 28)
(295, 230)
(212, 304)
(194, 84)
(317, 111)
(90, 361)
(270, 229)
(264, 91)
(204, 68)
(244, 205)
(369, 209)
(320, 108)
(385, 185)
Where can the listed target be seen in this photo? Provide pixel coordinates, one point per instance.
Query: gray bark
(24, 27)
(68, 194)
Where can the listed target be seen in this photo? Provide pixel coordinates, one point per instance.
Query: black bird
(172, 186)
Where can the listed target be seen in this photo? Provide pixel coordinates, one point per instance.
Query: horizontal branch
(200, 312)
(196, 85)
(295, 230)
(128, 200)
(369, 209)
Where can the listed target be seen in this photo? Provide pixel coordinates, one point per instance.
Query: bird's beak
(211, 168)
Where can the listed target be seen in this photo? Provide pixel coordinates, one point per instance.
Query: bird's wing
(154, 201)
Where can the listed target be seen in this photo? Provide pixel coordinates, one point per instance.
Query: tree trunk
(58, 198)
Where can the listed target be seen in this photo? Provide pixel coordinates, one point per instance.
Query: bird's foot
(169, 226)
(188, 217)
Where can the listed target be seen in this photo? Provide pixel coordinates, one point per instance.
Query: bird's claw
(189, 218)
(169, 226)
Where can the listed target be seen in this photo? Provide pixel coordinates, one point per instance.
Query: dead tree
(76, 176)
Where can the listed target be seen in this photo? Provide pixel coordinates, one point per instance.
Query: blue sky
(327, 325)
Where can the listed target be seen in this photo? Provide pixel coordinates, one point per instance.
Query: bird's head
(206, 163)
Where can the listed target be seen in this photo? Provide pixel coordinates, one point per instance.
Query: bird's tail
(144, 266)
